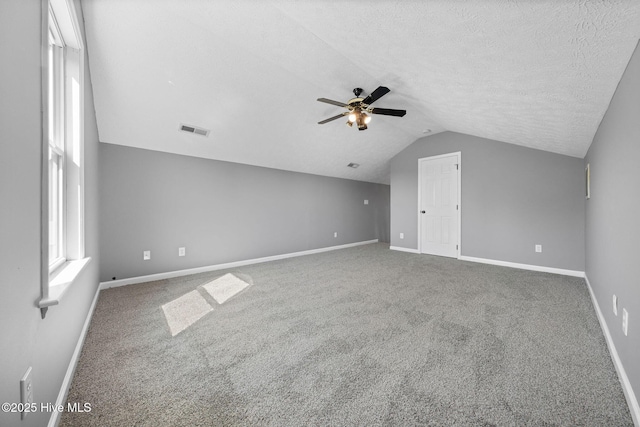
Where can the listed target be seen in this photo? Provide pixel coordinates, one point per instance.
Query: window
(56, 104)
(63, 163)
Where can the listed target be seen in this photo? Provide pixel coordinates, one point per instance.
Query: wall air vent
(194, 129)
(353, 165)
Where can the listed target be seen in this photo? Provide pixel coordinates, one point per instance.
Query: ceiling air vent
(194, 129)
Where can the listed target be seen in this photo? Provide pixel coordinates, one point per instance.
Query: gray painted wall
(222, 212)
(512, 199)
(28, 340)
(612, 217)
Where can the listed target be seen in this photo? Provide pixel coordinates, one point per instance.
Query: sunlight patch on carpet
(225, 287)
(184, 311)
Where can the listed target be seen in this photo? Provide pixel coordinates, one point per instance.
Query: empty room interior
(319, 213)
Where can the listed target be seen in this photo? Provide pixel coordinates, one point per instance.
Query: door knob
(423, 212)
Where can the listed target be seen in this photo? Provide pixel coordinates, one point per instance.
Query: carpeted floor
(356, 337)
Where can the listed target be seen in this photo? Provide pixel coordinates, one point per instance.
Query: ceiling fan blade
(331, 101)
(330, 119)
(388, 112)
(375, 95)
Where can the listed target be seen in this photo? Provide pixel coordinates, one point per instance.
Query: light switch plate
(146, 255)
(26, 392)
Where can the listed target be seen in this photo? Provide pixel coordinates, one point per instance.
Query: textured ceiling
(535, 73)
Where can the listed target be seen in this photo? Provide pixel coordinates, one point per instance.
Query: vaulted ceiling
(537, 73)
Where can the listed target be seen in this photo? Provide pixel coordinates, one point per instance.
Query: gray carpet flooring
(362, 336)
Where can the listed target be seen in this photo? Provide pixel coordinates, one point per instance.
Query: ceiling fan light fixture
(367, 118)
(352, 117)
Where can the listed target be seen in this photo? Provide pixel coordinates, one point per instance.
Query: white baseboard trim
(400, 248)
(574, 273)
(632, 401)
(186, 272)
(73, 363)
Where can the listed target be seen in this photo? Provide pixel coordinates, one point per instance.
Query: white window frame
(55, 136)
(65, 118)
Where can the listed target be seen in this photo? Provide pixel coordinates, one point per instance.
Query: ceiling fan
(357, 108)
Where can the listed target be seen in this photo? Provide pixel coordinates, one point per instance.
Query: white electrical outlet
(146, 255)
(615, 305)
(625, 321)
(182, 251)
(335, 234)
(26, 392)
(539, 248)
(366, 202)
(402, 235)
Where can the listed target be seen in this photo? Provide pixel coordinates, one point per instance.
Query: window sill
(61, 279)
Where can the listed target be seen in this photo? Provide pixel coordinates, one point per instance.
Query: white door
(439, 205)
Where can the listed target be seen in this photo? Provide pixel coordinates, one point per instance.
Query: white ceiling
(536, 73)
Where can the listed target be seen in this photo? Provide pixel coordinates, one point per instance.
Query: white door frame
(459, 161)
